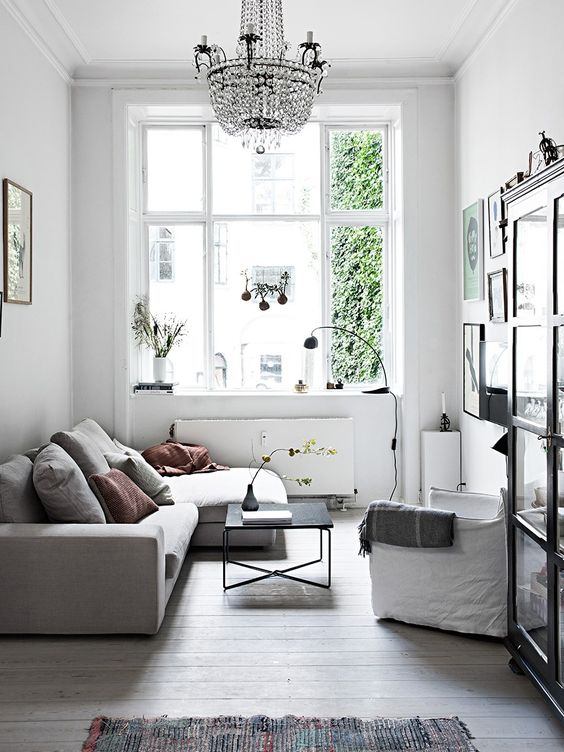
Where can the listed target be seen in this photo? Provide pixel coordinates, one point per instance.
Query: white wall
(511, 89)
(35, 393)
(430, 297)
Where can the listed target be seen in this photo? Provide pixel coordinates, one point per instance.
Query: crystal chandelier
(260, 95)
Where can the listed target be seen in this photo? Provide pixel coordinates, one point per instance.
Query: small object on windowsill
(300, 387)
(445, 424)
(339, 384)
(330, 385)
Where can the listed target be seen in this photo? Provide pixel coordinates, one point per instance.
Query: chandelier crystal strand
(259, 95)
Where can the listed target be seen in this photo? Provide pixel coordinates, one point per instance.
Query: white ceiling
(90, 38)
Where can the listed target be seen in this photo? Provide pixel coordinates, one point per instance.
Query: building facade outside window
(317, 208)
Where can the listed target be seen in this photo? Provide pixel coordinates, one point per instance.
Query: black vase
(250, 503)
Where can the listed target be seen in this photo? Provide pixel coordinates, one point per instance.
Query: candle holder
(445, 423)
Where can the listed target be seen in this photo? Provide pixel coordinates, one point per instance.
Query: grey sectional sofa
(103, 578)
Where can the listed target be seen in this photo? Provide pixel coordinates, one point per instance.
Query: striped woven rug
(288, 734)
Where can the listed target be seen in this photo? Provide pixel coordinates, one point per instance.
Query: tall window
(216, 214)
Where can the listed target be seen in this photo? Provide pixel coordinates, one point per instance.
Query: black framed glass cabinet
(535, 238)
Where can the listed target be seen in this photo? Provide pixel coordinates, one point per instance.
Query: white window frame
(326, 217)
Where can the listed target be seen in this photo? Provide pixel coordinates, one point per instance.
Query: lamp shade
(502, 445)
(311, 343)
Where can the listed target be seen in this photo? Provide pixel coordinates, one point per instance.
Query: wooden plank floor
(273, 648)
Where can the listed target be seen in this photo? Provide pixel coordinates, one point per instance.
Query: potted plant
(160, 333)
(250, 503)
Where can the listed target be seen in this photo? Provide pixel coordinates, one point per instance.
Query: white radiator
(235, 442)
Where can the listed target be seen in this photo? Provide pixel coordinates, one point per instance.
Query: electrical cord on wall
(394, 445)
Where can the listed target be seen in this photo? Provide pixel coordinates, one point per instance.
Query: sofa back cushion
(143, 475)
(83, 451)
(62, 488)
(123, 449)
(19, 501)
(125, 501)
(96, 434)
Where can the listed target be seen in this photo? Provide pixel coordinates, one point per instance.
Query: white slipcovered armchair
(462, 587)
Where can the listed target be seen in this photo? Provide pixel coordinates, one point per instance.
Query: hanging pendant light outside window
(260, 95)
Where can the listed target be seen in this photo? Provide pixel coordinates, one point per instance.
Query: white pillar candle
(443, 402)
(310, 37)
(204, 40)
(250, 28)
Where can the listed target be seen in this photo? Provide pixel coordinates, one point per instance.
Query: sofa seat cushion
(226, 487)
(19, 501)
(178, 522)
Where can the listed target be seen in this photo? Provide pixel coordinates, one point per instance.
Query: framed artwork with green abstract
(473, 250)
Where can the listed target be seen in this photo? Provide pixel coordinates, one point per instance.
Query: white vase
(159, 369)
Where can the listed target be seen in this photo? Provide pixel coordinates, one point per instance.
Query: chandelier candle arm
(259, 95)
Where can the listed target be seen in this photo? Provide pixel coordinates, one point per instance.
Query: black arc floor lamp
(312, 343)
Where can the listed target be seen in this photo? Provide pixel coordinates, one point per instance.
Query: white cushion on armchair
(461, 588)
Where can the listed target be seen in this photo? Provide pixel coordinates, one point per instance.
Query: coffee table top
(305, 514)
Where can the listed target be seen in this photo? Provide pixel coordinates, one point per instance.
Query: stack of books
(155, 387)
(267, 516)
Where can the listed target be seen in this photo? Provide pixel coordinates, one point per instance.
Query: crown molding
(68, 31)
(494, 26)
(456, 29)
(37, 39)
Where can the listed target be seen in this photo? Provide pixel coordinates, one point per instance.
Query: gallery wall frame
(472, 335)
(497, 296)
(496, 216)
(17, 205)
(473, 251)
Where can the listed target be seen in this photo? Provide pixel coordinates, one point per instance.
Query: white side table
(440, 461)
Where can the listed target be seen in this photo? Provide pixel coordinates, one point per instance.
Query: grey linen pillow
(83, 451)
(96, 434)
(143, 475)
(19, 501)
(62, 488)
(125, 449)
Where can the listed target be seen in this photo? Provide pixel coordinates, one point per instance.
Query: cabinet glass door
(536, 430)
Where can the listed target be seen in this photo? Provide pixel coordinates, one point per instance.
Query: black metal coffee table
(305, 516)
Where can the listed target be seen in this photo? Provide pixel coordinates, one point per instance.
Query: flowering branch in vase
(158, 333)
(309, 447)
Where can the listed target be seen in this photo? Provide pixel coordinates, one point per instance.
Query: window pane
(179, 291)
(531, 264)
(356, 170)
(263, 349)
(285, 181)
(530, 374)
(357, 295)
(174, 169)
(531, 597)
(530, 480)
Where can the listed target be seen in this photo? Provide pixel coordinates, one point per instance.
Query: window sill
(337, 393)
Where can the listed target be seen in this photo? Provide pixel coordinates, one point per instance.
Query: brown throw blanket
(173, 458)
(405, 525)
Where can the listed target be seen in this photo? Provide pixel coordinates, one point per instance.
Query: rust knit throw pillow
(125, 501)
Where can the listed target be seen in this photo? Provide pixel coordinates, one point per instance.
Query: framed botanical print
(472, 335)
(495, 232)
(473, 250)
(497, 295)
(17, 213)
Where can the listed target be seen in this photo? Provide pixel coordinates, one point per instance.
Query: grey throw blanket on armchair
(405, 525)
